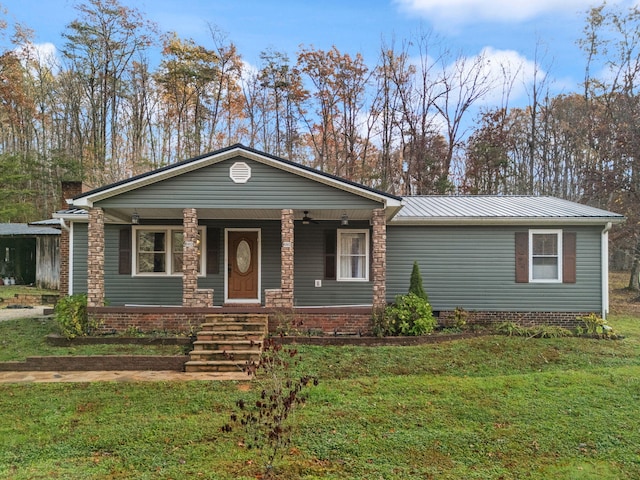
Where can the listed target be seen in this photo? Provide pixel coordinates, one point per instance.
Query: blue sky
(513, 29)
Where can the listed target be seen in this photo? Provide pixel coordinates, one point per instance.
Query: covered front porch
(234, 261)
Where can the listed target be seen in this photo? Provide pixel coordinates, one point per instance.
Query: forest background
(101, 110)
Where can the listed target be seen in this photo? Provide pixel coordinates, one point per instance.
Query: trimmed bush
(415, 283)
(409, 315)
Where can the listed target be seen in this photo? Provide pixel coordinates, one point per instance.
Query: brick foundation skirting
(305, 321)
(179, 320)
(526, 319)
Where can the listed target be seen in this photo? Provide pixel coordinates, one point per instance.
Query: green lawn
(486, 408)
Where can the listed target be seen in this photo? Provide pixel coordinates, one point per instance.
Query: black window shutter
(569, 257)
(213, 251)
(522, 257)
(330, 248)
(124, 252)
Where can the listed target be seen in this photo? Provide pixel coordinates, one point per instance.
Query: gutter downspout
(604, 265)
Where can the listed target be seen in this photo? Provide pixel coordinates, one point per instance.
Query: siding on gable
(211, 187)
(474, 268)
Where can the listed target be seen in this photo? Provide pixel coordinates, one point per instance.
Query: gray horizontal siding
(309, 266)
(211, 187)
(79, 258)
(474, 268)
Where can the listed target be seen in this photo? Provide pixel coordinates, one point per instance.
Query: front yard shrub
(409, 315)
(71, 316)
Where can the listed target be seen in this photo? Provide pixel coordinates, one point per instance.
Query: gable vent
(240, 172)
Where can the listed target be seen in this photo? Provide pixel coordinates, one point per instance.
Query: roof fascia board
(89, 199)
(72, 217)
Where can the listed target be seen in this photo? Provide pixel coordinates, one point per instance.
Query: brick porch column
(379, 264)
(286, 257)
(95, 258)
(64, 263)
(190, 257)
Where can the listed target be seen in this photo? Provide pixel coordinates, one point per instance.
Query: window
(159, 251)
(353, 255)
(545, 259)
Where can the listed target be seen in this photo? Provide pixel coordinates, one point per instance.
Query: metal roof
(499, 209)
(23, 229)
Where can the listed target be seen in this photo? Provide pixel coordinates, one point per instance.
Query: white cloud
(44, 54)
(465, 11)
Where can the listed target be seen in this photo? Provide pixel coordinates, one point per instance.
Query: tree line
(97, 110)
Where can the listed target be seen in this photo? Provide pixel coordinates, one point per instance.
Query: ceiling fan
(307, 219)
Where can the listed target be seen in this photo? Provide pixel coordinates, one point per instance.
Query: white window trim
(339, 276)
(558, 234)
(167, 229)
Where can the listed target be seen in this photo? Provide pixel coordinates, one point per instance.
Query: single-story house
(29, 255)
(241, 230)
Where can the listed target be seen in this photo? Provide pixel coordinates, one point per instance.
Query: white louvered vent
(240, 172)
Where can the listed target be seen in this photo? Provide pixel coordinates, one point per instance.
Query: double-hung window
(545, 259)
(159, 251)
(353, 255)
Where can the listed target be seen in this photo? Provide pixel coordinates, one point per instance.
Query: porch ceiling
(149, 215)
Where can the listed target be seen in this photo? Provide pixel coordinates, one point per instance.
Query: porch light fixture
(344, 220)
(135, 218)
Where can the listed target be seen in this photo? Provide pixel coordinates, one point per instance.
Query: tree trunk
(634, 281)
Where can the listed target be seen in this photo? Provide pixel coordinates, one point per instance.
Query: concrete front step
(225, 344)
(234, 335)
(236, 326)
(216, 355)
(214, 366)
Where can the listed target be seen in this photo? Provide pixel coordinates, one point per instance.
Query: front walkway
(118, 376)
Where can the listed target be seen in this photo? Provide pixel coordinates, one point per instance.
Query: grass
(24, 338)
(484, 408)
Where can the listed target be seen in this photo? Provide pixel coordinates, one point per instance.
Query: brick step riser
(231, 336)
(221, 345)
(209, 357)
(235, 327)
(238, 318)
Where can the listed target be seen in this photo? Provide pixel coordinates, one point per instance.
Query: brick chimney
(70, 189)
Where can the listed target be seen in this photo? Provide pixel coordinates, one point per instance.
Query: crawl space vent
(240, 172)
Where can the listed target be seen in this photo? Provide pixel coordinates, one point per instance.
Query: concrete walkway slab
(118, 376)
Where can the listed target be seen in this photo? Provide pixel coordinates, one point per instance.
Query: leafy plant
(510, 329)
(415, 283)
(460, 318)
(409, 315)
(596, 326)
(267, 421)
(286, 323)
(71, 315)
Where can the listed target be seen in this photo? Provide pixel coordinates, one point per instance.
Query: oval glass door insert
(243, 256)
